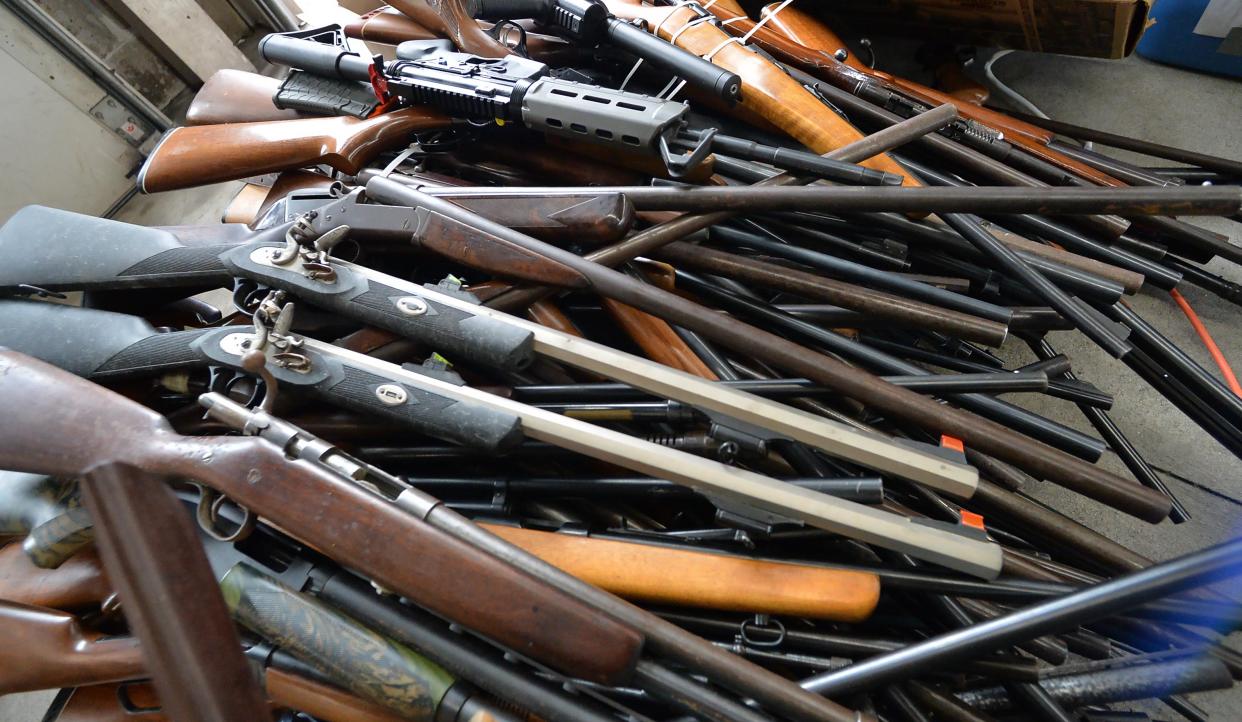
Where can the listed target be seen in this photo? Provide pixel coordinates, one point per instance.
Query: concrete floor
(1133, 97)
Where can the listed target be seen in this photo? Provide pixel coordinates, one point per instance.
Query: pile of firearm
(598, 361)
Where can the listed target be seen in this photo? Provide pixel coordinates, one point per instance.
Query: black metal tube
(1070, 308)
(1197, 244)
(1221, 287)
(1205, 567)
(864, 490)
(1113, 140)
(1030, 424)
(1186, 201)
(1179, 363)
(864, 274)
(696, 698)
(1129, 683)
(1118, 442)
(1118, 169)
(804, 162)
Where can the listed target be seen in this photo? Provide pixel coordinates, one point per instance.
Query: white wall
(51, 151)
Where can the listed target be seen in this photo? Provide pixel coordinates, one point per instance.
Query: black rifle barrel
(1205, 567)
(1078, 132)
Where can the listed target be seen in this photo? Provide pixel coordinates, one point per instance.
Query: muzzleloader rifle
(101, 345)
(475, 333)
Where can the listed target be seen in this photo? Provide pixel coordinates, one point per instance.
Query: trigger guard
(207, 514)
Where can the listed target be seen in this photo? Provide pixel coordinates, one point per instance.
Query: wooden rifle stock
(766, 89)
(232, 95)
(138, 702)
(78, 583)
(650, 573)
(449, 19)
(200, 155)
(388, 25)
(820, 63)
(51, 649)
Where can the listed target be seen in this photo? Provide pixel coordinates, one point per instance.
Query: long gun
(513, 342)
(137, 701)
(589, 22)
(188, 157)
(399, 552)
(503, 90)
(543, 622)
(102, 345)
(632, 570)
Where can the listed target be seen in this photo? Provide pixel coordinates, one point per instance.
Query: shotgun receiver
(398, 550)
(509, 89)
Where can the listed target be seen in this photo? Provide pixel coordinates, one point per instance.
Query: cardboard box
(1092, 28)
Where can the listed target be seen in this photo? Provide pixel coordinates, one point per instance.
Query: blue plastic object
(1172, 39)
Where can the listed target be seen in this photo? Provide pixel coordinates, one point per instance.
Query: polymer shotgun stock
(397, 550)
(101, 345)
(236, 96)
(200, 155)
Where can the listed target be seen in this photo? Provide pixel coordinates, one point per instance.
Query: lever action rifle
(373, 297)
(399, 551)
(102, 345)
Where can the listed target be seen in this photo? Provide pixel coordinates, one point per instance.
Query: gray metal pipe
(71, 47)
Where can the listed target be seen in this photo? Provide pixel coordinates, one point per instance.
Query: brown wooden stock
(766, 89)
(189, 157)
(657, 339)
(102, 702)
(649, 573)
(171, 598)
(546, 313)
(246, 205)
(78, 583)
(322, 701)
(358, 529)
(804, 29)
(232, 95)
(450, 19)
(952, 79)
(388, 25)
(821, 64)
(53, 650)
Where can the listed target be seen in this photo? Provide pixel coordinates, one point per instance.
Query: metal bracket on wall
(115, 116)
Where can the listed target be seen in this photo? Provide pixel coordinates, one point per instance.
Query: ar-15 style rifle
(502, 90)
